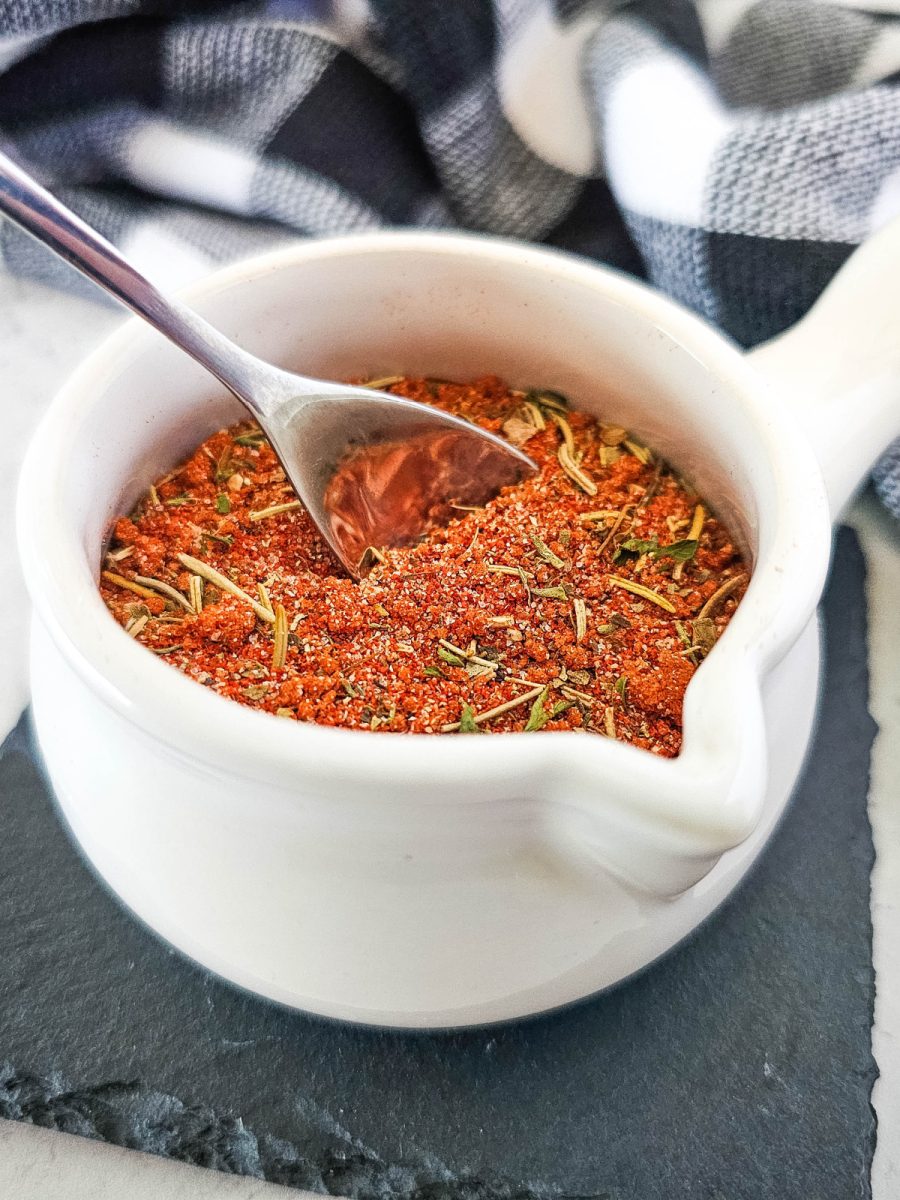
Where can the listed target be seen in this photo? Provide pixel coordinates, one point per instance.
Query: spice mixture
(583, 598)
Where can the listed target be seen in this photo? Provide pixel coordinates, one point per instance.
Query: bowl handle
(839, 367)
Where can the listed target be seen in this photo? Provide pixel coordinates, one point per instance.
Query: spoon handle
(35, 210)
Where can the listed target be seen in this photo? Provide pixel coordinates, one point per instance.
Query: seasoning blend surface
(582, 598)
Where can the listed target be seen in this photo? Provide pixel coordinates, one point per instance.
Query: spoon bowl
(374, 469)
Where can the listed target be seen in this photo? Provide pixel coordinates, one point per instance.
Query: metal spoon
(372, 469)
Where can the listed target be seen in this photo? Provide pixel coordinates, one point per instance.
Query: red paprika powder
(582, 598)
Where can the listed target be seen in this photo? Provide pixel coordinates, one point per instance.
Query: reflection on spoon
(391, 493)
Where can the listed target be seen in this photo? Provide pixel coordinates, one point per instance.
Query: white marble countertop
(42, 335)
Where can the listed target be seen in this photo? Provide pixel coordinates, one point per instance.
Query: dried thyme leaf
(613, 529)
(653, 486)
(635, 547)
(646, 593)
(122, 582)
(547, 398)
(697, 523)
(252, 440)
(546, 553)
(681, 551)
(224, 466)
(450, 658)
(523, 579)
(435, 673)
(538, 717)
(550, 593)
(694, 533)
(223, 504)
(280, 638)
(641, 453)
(467, 720)
(574, 471)
(353, 692)
(541, 716)
(264, 597)
(600, 514)
(508, 706)
(274, 509)
(499, 569)
(164, 589)
(386, 381)
(580, 609)
(705, 634)
(566, 430)
(722, 593)
(536, 416)
(224, 583)
(620, 686)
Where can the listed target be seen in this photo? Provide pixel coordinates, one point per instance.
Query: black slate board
(738, 1068)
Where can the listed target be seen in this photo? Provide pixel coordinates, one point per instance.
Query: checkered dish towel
(733, 151)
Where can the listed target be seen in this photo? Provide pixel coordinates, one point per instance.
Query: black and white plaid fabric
(733, 151)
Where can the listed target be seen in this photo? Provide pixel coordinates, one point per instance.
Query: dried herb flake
(467, 722)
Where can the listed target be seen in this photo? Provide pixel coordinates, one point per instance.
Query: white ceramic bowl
(426, 881)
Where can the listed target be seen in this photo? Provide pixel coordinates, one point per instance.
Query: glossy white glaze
(370, 911)
(364, 863)
(839, 368)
